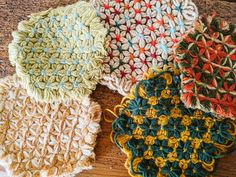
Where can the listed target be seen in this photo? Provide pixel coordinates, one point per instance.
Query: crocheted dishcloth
(207, 59)
(45, 139)
(162, 137)
(59, 52)
(141, 34)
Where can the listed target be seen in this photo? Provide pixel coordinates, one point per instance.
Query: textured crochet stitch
(45, 139)
(207, 59)
(141, 34)
(161, 137)
(59, 52)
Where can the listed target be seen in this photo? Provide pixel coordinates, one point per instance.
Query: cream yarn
(141, 35)
(45, 139)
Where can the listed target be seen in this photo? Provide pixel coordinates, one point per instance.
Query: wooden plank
(109, 159)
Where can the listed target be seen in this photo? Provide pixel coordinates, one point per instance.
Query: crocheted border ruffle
(45, 139)
(141, 35)
(207, 60)
(59, 52)
(185, 142)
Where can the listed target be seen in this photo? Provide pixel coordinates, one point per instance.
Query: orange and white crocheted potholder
(141, 35)
(45, 139)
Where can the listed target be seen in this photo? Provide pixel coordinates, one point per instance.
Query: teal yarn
(161, 137)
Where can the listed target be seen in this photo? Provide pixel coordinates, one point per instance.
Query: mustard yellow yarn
(163, 138)
(58, 53)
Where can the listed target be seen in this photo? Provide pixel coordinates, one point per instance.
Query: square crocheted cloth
(58, 53)
(43, 139)
(141, 35)
(161, 137)
(207, 60)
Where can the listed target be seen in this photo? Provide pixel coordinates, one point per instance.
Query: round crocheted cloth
(207, 59)
(59, 52)
(141, 35)
(162, 137)
(45, 139)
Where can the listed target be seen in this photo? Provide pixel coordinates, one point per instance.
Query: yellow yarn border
(122, 139)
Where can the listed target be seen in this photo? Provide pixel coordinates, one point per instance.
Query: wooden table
(109, 159)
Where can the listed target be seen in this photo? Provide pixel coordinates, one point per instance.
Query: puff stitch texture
(207, 60)
(161, 137)
(141, 34)
(45, 139)
(59, 52)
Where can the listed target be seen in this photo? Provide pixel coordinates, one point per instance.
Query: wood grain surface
(109, 160)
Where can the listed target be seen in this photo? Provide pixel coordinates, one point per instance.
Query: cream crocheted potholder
(45, 139)
(59, 52)
(141, 35)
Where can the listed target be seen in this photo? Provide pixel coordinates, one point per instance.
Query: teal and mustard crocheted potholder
(59, 52)
(207, 59)
(161, 137)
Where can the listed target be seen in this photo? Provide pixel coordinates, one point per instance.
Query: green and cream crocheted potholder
(59, 52)
(45, 139)
(163, 138)
(207, 60)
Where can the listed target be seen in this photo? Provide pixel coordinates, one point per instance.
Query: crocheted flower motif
(59, 52)
(207, 59)
(45, 139)
(141, 34)
(162, 137)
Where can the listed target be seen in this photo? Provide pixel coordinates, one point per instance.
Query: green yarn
(207, 58)
(58, 53)
(162, 137)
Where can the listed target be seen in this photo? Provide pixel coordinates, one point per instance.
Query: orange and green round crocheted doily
(161, 137)
(207, 59)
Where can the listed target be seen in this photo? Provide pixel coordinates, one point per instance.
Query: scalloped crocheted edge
(152, 72)
(94, 112)
(99, 36)
(182, 92)
(149, 74)
(123, 88)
